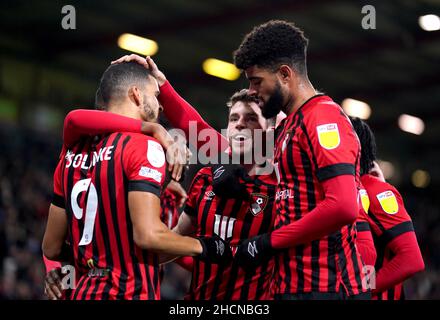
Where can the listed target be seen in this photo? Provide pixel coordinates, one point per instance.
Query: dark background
(46, 71)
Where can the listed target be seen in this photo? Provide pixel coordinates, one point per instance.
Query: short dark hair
(368, 144)
(241, 96)
(116, 79)
(272, 44)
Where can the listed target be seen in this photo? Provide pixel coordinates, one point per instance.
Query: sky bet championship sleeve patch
(364, 200)
(388, 202)
(328, 135)
(155, 154)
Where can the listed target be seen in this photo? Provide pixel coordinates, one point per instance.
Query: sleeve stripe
(335, 170)
(58, 201)
(362, 226)
(190, 211)
(145, 186)
(395, 231)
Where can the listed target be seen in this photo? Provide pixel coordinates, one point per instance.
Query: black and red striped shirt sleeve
(331, 140)
(144, 164)
(197, 185)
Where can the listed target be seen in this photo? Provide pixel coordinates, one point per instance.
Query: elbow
(148, 240)
(418, 264)
(71, 119)
(51, 252)
(348, 212)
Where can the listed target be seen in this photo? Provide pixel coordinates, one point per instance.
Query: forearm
(338, 209)
(83, 122)
(165, 241)
(406, 262)
(180, 113)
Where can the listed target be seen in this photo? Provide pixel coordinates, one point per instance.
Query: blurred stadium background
(46, 71)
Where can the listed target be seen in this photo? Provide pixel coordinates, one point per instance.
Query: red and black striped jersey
(388, 219)
(233, 220)
(92, 182)
(169, 214)
(315, 143)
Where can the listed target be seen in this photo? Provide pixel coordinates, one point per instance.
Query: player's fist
(215, 250)
(254, 251)
(226, 181)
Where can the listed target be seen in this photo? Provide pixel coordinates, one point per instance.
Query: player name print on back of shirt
(80, 159)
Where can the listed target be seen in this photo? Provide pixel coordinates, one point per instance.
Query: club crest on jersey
(328, 135)
(258, 203)
(364, 199)
(388, 202)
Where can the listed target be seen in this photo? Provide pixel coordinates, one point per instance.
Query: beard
(274, 104)
(149, 113)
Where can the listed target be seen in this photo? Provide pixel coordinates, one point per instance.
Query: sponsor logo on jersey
(209, 195)
(388, 202)
(328, 136)
(284, 194)
(258, 203)
(364, 199)
(150, 173)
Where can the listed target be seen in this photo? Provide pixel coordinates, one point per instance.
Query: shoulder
(138, 137)
(205, 172)
(326, 116)
(376, 186)
(139, 145)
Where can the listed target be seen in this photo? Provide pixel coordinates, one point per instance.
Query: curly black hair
(368, 144)
(271, 44)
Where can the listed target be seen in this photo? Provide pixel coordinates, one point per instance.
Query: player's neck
(124, 109)
(301, 92)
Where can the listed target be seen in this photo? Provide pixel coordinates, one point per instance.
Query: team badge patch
(328, 135)
(364, 199)
(258, 203)
(388, 202)
(155, 154)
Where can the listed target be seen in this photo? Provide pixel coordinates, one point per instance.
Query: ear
(135, 95)
(285, 73)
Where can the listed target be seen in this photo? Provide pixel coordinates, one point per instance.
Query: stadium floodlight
(420, 178)
(356, 108)
(411, 124)
(429, 22)
(137, 44)
(221, 69)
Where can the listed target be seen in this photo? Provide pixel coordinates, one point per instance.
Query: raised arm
(179, 112)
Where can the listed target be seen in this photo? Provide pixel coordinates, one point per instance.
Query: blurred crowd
(27, 161)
